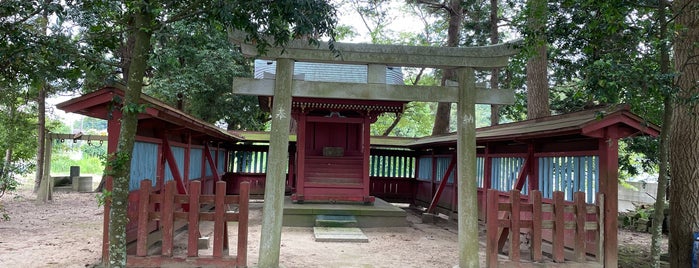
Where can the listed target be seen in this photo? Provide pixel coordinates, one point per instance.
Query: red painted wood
(559, 227)
(366, 151)
(442, 184)
(170, 157)
(301, 138)
(193, 219)
(219, 211)
(580, 218)
(113, 128)
(187, 164)
(492, 229)
(211, 162)
(166, 218)
(487, 180)
(243, 212)
(522, 176)
(600, 227)
(609, 166)
(142, 233)
(537, 219)
(514, 225)
(533, 168)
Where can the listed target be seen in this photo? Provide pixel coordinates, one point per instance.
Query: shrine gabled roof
(98, 104)
(588, 123)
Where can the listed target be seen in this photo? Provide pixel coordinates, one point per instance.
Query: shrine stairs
(380, 214)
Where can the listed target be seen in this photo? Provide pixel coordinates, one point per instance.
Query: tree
(684, 135)
(138, 21)
(537, 64)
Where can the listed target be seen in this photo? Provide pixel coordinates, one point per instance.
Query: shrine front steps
(338, 228)
(379, 215)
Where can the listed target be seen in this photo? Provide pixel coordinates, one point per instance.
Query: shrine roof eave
(615, 122)
(482, 57)
(97, 104)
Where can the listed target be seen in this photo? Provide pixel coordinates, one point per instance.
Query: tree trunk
(443, 115)
(141, 33)
(41, 136)
(537, 78)
(494, 75)
(393, 125)
(664, 172)
(684, 135)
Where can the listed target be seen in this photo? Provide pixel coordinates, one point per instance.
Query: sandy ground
(67, 232)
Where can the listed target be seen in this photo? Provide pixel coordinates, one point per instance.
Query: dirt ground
(67, 232)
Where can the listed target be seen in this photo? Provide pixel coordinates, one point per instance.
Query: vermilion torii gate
(464, 61)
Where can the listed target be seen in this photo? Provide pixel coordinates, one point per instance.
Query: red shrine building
(331, 162)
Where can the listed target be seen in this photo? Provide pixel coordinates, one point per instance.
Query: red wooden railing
(530, 217)
(172, 209)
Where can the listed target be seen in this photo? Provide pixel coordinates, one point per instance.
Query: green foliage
(103, 197)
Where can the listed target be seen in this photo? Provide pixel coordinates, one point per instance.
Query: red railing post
(514, 225)
(142, 231)
(167, 218)
(492, 229)
(558, 227)
(193, 218)
(536, 225)
(219, 220)
(243, 211)
(580, 218)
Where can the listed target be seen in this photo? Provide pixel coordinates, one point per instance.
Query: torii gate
(466, 94)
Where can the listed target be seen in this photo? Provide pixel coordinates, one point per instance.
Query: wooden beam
(359, 91)
(442, 183)
(395, 55)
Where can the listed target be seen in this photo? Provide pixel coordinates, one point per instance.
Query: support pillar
(272, 213)
(466, 169)
(609, 186)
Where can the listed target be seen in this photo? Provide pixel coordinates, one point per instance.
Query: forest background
(576, 55)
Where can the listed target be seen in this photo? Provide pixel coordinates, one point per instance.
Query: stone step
(336, 221)
(339, 234)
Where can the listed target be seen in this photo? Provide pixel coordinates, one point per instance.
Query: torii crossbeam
(463, 60)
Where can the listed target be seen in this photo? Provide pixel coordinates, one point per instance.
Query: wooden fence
(535, 216)
(187, 208)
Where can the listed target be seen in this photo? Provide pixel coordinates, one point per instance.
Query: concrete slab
(381, 214)
(339, 234)
(336, 221)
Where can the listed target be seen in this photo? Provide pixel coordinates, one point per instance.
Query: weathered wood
(143, 218)
(609, 168)
(442, 185)
(537, 221)
(167, 220)
(559, 227)
(466, 169)
(395, 55)
(492, 229)
(243, 212)
(219, 211)
(193, 219)
(580, 219)
(514, 226)
(359, 91)
(270, 240)
(600, 227)
(211, 162)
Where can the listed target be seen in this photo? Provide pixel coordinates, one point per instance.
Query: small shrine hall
(333, 135)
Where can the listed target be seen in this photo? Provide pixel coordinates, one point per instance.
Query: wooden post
(272, 213)
(193, 218)
(558, 226)
(492, 229)
(600, 227)
(514, 225)
(536, 225)
(243, 211)
(167, 218)
(466, 169)
(143, 211)
(219, 220)
(45, 192)
(609, 186)
(580, 218)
